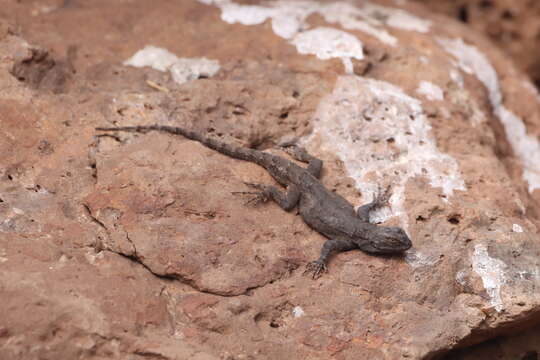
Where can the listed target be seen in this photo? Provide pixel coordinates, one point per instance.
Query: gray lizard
(324, 211)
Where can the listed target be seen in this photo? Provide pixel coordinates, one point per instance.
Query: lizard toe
(316, 268)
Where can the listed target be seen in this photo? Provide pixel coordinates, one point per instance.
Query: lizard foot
(256, 186)
(383, 196)
(295, 151)
(317, 268)
(258, 197)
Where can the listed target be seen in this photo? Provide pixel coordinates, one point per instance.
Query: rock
(138, 245)
(523, 345)
(512, 25)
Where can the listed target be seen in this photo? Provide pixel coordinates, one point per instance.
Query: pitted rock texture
(135, 246)
(512, 25)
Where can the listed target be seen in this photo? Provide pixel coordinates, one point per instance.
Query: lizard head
(387, 240)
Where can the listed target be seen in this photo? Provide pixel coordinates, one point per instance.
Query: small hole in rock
(454, 219)
(485, 4)
(507, 15)
(284, 115)
(463, 14)
(274, 324)
(258, 317)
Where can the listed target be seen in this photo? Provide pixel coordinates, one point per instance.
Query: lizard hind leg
(287, 200)
(301, 154)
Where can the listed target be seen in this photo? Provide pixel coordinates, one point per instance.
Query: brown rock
(134, 245)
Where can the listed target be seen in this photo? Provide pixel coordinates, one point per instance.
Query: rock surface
(522, 346)
(133, 246)
(512, 25)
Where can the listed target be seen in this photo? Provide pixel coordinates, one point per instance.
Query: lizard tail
(220, 146)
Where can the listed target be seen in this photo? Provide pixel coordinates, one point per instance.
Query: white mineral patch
(327, 43)
(417, 259)
(398, 18)
(533, 275)
(182, 69)
(491, 271)
(456, 77)
(526, 147)
(154, 57)
(430, 91)
(351, 17)
(298, 312)
(461, 277)
(516, 228)
(185, 69)
(383, 137)
(289, 18)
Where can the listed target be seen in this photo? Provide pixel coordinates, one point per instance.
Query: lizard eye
(394, 240)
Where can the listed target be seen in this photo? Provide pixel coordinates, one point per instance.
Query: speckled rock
(138, 245)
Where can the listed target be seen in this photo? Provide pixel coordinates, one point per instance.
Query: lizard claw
(287, 143)
(383, 196)
(255, 186)
(316, 267)
(258, 196)
(297, 152)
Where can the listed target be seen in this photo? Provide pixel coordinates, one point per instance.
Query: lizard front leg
(380, 200)
(318, 266)
(287, 200)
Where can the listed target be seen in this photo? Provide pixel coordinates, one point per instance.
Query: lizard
(323, 210)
